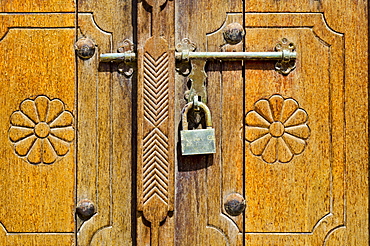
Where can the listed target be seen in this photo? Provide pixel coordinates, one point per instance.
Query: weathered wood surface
(295, 147)
(37, 128)
(301, 195)
(105, 105)
(155, 121)
(297, 177)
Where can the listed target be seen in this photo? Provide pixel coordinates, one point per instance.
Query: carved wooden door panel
(288, 146)
(38, 115)
(91, 151)
(58, 152)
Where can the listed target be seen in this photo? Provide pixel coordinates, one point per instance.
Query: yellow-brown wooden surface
(295, 146)
(301, 196)
(105, 97)
(294, 182)
(38, 90)
(37, 6)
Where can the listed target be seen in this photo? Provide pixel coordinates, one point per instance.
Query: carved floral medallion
(277, 129)
(41, 131)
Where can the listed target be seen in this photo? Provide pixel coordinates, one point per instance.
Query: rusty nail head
(234, 204)
(233, 33)
(85, 209)
(85, 48)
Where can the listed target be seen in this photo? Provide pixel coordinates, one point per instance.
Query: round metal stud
(85, 48)
(234, 33)
(85, 209)
(234, 204)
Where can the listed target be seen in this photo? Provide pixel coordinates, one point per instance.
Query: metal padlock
(198, 141)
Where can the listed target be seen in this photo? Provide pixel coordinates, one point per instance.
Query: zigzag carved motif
(156, 88)
(155, 166)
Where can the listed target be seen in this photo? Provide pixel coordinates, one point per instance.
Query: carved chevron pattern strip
(156, 88)
(155, 144)
(155, 166)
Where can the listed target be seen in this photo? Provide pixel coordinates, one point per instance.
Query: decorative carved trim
(156, 67)
(41, 131)
(277, 129)
(156, 88)
(155, 166)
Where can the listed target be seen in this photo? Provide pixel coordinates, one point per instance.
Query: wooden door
(102, 139)
(38, 115)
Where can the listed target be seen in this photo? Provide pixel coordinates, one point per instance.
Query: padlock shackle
(185, 110)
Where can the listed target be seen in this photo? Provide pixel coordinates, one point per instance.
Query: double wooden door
(291, 164)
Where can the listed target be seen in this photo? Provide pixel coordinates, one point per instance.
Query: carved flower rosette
(41, 131)
(277, 129)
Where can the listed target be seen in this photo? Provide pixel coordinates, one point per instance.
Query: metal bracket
(125, 54)
(287, 63)
(183, 65)
(126, 67)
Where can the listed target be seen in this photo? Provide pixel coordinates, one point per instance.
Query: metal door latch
(194, 62)
(285, 55)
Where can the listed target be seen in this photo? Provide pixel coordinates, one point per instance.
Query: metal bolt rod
(280, 55)
(236, 55)
(118, 57)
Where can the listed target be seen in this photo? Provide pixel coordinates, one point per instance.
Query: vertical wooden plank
(155, 132)
(226, 177)
(355, 25)
(106, 105)
(94, 134)
(38, 129)
(200, 179)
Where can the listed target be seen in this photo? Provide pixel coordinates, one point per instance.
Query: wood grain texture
(38, 72)
(94, 138)
(104, 165)
(308, 198)
(106, 104)
(155, 160)
(200, 217)
(307, 184)
(356, 108)
(226, 78)
(37, 6)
